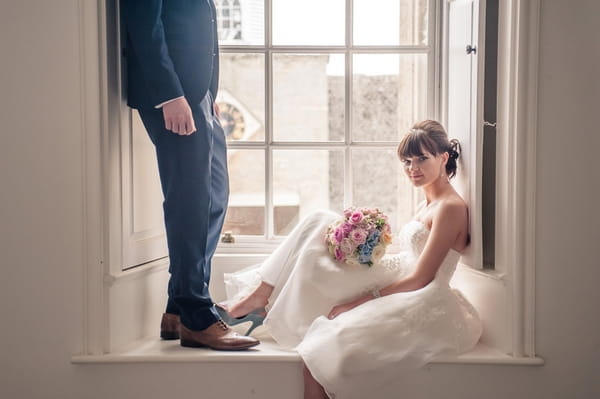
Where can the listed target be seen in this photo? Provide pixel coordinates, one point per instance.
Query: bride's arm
(446, 227)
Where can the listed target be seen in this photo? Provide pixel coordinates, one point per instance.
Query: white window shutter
(464, 111)
(143, 233)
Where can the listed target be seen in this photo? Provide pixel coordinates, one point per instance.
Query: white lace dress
(374, 342)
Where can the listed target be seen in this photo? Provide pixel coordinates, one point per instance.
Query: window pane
(390, 22)
(305, 180)
(389, 95)
(308, 97)
(241, 97)
(379, 181)
(246, 212)
(241, 22)
(308, 22)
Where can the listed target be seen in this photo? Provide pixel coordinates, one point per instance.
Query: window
(121, 303)
(314, 103)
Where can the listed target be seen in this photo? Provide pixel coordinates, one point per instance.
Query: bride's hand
(344, 307)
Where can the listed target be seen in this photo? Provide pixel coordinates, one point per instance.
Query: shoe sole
(169, 335)
(195, 344)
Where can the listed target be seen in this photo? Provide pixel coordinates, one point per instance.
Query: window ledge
(152, 350)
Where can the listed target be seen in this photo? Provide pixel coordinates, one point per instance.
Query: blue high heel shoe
(255, 317)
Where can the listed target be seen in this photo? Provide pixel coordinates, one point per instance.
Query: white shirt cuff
(166, 102)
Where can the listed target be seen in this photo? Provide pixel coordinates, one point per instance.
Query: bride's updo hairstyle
(430, 136)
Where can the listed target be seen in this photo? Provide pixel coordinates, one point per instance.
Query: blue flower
(364, 253)
(373, 238)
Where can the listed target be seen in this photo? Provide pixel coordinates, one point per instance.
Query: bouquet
(360, 238)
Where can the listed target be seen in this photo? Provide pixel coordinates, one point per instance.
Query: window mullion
(435, 69)
(434, 59)
(349, 22)
(227, 48)
(347, 106)
(269, 212)
(326, 145)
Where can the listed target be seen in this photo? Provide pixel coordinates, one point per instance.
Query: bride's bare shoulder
(453, 207)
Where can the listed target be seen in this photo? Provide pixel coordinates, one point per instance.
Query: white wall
(41, 217)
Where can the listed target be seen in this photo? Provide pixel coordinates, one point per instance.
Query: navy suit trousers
(195, 184)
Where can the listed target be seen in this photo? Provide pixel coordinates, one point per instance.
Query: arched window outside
(229, 19)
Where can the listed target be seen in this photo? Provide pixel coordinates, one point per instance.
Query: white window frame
(518, 52)
(514, 277)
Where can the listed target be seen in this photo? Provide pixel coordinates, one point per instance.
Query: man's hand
(178, 117)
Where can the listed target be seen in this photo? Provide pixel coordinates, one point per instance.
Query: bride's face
(425, 168)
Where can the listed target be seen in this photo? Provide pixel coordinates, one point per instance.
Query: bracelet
(376, 294)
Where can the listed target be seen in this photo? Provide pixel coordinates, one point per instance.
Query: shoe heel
(256, 319)
(252, 327)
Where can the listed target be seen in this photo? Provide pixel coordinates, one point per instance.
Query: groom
(173, 72)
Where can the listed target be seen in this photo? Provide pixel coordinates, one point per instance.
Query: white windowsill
(153, 350)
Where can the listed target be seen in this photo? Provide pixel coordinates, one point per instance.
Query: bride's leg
(257, 299)
(277, 268)
(312, 389)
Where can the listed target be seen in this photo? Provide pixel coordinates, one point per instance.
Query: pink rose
(338, 234)
(358, 236)
(347, 227)
(339, 255)
(356, 217)
(347, 212)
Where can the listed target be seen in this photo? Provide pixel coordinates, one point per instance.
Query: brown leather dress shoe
(217, 336)
(169, 326)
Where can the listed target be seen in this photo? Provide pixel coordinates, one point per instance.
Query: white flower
(378, 253)
(347, 246)
(352, 261)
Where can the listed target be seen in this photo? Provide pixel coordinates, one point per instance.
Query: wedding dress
(375, 342)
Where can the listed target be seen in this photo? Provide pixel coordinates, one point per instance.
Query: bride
(354, 326)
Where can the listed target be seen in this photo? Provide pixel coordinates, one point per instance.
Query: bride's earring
(443, 175)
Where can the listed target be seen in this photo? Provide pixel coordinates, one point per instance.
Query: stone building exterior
(309, 106)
